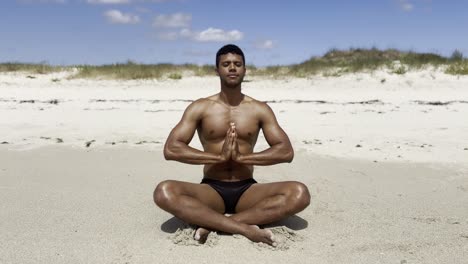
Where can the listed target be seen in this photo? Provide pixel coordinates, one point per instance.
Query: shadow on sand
(293, 222)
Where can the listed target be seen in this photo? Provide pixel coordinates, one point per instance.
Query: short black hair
(229, 48)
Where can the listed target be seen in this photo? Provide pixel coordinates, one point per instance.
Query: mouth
(233, 75)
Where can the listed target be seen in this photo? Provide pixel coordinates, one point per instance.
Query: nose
(232, 67)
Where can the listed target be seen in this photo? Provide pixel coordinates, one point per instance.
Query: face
(231, 70)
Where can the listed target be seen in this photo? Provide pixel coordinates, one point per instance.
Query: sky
(275, 32)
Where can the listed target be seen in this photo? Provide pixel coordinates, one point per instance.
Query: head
(229, 48)
(230, 66)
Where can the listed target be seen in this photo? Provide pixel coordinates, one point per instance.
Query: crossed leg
(201, 205)
(267, 203)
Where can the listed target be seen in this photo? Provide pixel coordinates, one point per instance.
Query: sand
(385, 157)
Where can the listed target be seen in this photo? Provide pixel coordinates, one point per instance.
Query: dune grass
(337, 62)
(39, 68)
(332, 63)
(132, 71)
(459, 68)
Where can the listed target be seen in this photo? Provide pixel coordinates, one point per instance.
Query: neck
(230, 96)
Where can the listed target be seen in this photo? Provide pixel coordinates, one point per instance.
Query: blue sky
(64, 32)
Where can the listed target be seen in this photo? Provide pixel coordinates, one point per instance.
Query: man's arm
(177, 148)
(280, 147)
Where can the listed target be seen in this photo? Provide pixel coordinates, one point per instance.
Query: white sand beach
(385, 157)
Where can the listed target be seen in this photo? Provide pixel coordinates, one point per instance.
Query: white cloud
(108, 1)
(183, 22)
(405, 5)
(186, 33)
(117, 17)
(265, 44)
(208, 35)
(177, 20)
(215, 35)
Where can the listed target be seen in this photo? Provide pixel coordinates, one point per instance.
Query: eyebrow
(229, 61)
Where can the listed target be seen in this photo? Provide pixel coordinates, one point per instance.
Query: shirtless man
(228, 198)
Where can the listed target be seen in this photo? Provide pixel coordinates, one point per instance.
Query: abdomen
(230, 170)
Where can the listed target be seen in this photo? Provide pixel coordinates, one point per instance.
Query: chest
(216, 122)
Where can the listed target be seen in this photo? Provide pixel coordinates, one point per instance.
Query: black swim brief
(230, 191)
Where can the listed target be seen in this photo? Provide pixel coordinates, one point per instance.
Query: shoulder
(197, 108)
(260, 107)
(200, 107)
(199, 104)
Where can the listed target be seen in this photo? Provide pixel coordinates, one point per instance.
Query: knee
(164, 193)
(300, 196)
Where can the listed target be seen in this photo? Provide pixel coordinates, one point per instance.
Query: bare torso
(228, 125)
(212, 127)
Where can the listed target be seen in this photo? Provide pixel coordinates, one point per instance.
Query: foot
(261, 235)
(201, 234)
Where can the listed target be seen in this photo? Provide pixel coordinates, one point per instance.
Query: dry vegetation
(131, 70)
(29, 67)
(333, 63)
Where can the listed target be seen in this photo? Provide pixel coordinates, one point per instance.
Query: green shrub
(456, 56)
(460, 68)
(175, 76)
(400, 70)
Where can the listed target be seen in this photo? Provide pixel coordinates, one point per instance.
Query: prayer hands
(230, 149)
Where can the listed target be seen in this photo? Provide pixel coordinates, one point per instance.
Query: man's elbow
(289, 155)
(169, 154)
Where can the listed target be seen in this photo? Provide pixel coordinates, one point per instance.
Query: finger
(234, 140)
(228, 133)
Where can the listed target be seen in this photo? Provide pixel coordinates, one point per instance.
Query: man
(228, 198)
